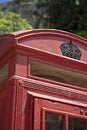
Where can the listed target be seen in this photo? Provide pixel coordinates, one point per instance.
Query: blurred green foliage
(67, 15)
(82, 33)
(11, 22)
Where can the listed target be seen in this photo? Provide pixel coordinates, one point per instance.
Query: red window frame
(42, 106)
(66, 114)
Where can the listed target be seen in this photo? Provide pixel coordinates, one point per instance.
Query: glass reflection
(76, 124)
(54, 122)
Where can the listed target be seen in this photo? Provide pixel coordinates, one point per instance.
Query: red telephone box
(43, 81)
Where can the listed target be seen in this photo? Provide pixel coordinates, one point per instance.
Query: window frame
(65, 114)
(42, 106)
(52, 81)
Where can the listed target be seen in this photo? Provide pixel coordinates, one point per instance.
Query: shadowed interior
(45, 71)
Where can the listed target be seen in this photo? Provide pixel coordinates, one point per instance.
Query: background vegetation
(11, 22)
(68, 15)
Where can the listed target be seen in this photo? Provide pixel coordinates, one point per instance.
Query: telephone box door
(50, 115)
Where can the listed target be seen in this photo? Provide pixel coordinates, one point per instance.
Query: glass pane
(77, 124)
(54, 122)
(57, 74)
(3, 73)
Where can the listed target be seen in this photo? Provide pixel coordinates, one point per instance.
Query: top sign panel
(56, 42)
(50, 41)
